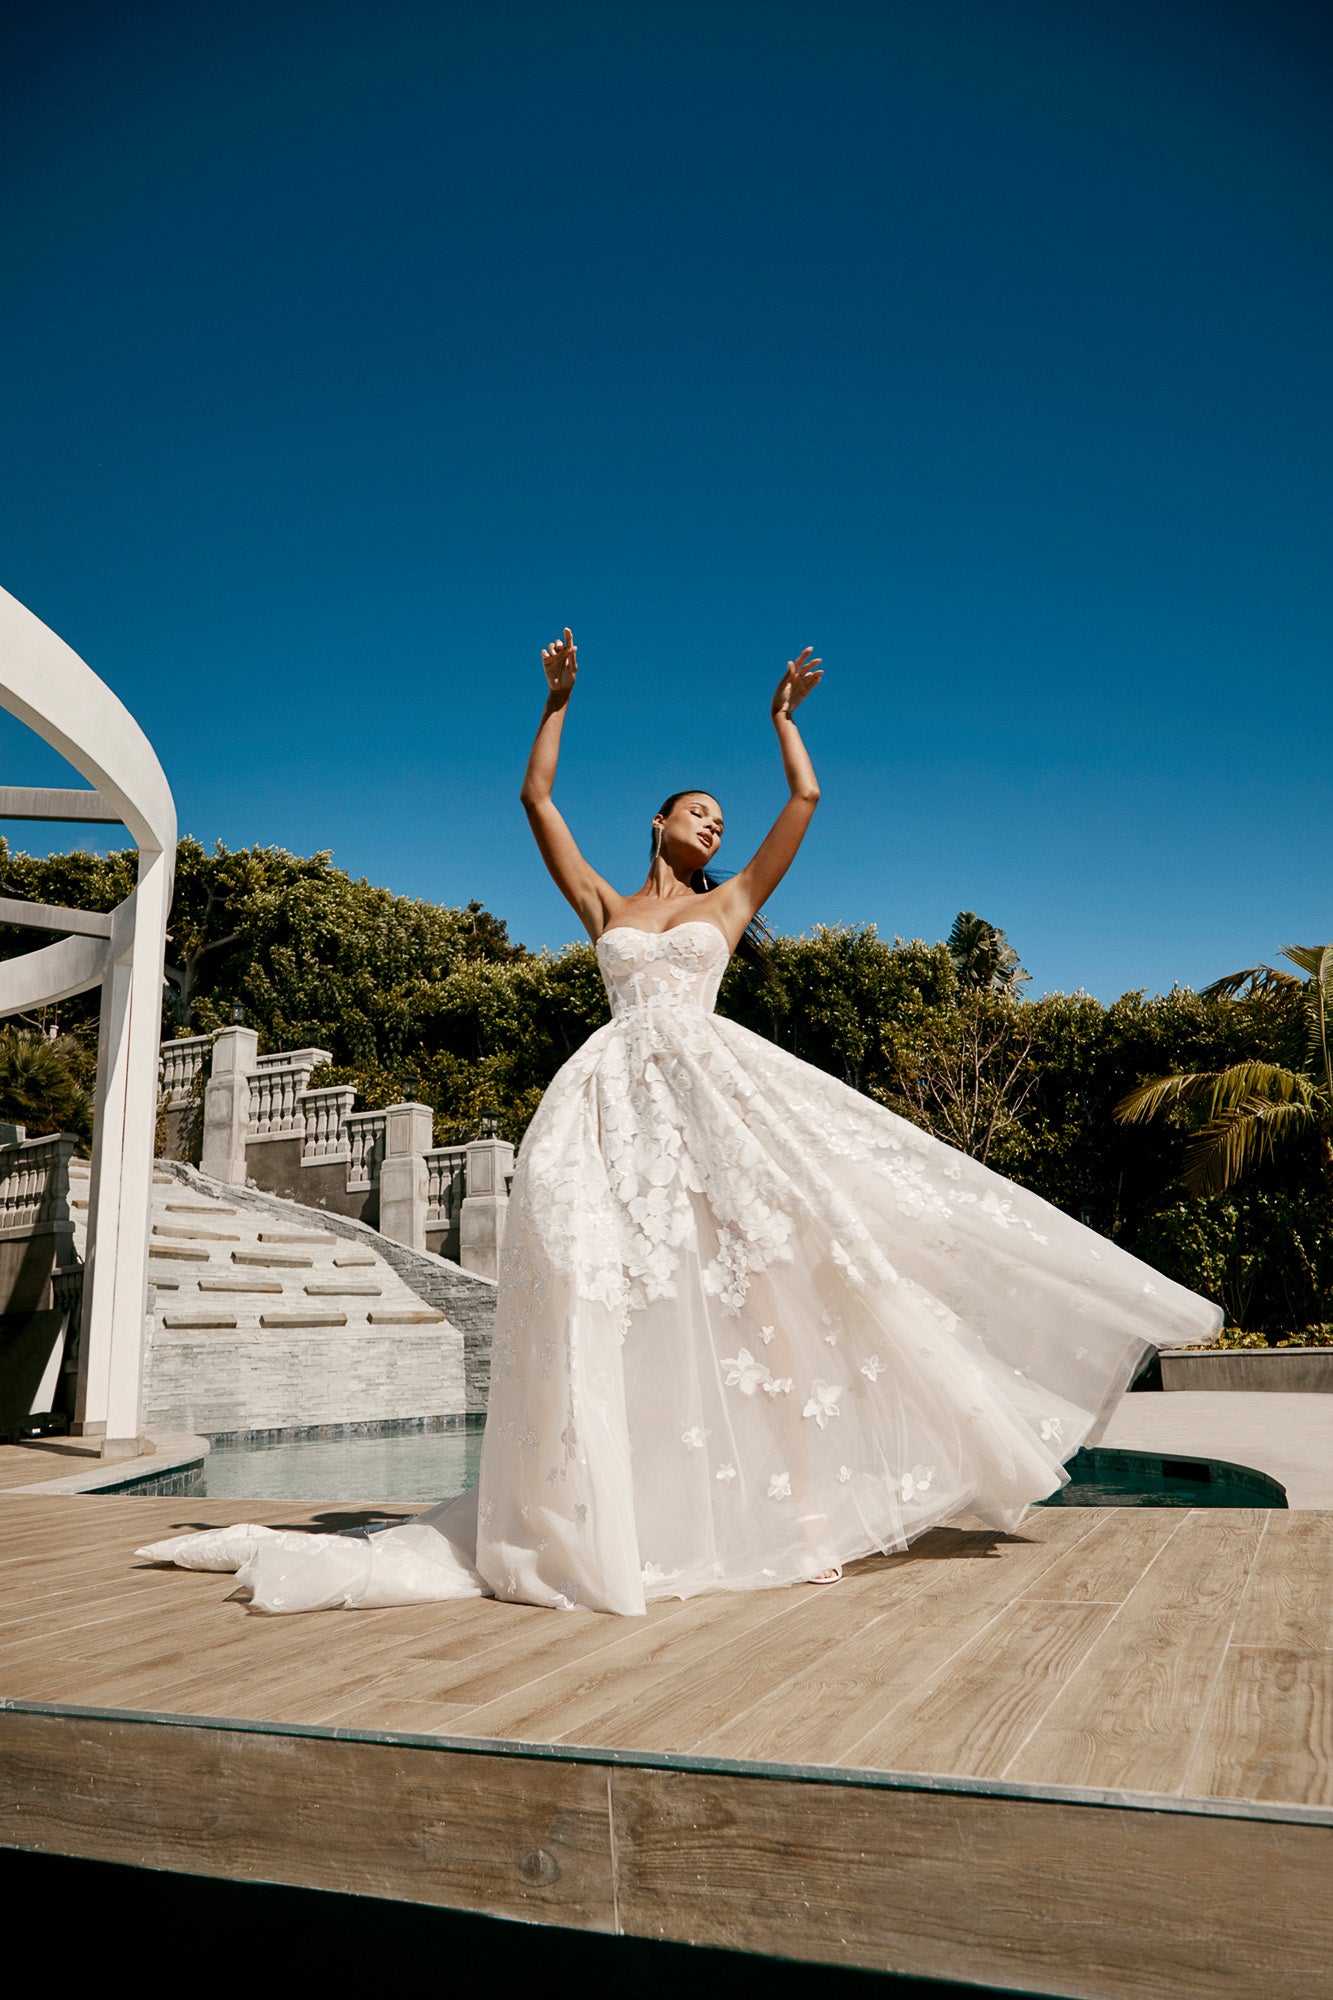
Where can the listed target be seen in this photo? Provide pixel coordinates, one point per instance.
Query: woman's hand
(561, 661)
(801, 676)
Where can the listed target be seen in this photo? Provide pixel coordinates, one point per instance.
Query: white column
(104, 1191)
(152, 905)
(485, 1205)
(408, 1137)
(227, 1105)
(108, 1402)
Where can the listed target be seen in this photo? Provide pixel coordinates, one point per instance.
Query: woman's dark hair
(756, 937)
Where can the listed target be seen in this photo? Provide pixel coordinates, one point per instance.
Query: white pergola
(46, 685)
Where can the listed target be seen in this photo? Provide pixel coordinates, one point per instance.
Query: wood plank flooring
(1186, 1654)
(1098, 1743)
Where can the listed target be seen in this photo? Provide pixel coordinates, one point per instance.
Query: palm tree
(983, 956)
(1252, 1109)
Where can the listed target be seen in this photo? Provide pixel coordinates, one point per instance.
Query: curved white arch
(56, 972)
(45, 684)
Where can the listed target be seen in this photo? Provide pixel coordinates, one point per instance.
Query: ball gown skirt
(750, 1324)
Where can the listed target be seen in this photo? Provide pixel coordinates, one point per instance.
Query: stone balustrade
(262, 1124)
(277, 1085)
(34, 1184)
(365, 1138)
(327, 1115)
(446, 1185)
(179, 1067)
(36, 1233)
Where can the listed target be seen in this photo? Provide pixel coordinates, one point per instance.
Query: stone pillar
(227, 1105)
(485, 1205)
(408, 1137)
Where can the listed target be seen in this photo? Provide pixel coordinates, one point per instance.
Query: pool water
(420, 1465)
(1104, 1477)
(438, 1465)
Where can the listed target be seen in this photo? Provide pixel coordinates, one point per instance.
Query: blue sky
(350, 351)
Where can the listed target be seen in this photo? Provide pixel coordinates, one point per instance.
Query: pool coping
(172, 1454)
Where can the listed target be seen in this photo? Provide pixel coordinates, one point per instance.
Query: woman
(750, 1324)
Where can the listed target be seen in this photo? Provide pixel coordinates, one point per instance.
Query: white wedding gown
(750, 1324)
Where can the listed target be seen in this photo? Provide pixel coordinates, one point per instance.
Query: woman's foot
(828, 1576)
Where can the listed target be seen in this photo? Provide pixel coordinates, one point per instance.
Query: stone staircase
(266, 1316)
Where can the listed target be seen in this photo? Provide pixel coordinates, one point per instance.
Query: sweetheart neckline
(690, 924)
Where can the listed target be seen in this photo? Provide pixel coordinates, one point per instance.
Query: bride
(750, 1324)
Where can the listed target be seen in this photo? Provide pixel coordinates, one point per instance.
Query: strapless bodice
(681, 967)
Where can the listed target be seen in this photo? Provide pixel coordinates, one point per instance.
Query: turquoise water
(437, 1465)
(1105, 1477)
(422, 1465)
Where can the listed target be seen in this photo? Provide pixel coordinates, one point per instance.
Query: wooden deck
(1094, 1758)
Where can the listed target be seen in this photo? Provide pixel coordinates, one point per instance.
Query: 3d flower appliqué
(744, 1372)
(779, 1486)
(778, 1385)
(693, 1438)
(872, 1369)
(725, 1473)
(1051, 1430)
(823, 1402)
(916, 1481)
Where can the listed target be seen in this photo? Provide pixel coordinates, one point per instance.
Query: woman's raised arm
(748, 891)
(579, 883)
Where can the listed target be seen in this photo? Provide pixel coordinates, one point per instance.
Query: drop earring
(657, 843)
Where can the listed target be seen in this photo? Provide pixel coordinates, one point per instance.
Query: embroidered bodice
(680, 968)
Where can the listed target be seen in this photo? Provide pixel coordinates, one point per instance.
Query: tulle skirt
(750, 1325)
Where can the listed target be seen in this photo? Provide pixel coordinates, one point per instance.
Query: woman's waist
(661, 1004)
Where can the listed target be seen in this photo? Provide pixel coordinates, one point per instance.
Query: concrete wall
(443, 1242)
(1279, 1369)
(301, 1380)
(275, 1165)
(257, 1379)
(26, 1264)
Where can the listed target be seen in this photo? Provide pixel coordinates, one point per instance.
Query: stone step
(198, 1208)
(200, 1321)
(179, 1252)
(236, 1284)
(189, 1235)
(292, 1236)
(164, 1284)
(165, 1180)
(406, 1316)
(358, 1260)
(316, 1316)
(277, 1260)
(347, 1288)
(76, 1202)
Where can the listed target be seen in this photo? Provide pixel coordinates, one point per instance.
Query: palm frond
(1225, 1090)
(1144, 1102)
(1257, 979)
(1317, 960)
(1240, 1138)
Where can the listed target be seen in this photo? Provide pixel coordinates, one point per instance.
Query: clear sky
(350, 350)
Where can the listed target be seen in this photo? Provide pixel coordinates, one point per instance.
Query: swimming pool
(1104, 1476)
(438, 1465)
(418, 1465)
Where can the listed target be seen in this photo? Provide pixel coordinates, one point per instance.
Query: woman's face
(692, 830)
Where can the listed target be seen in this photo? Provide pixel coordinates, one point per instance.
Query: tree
(1254, 1109)
(983, 956)
(41, 1086)
(966, 1075)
